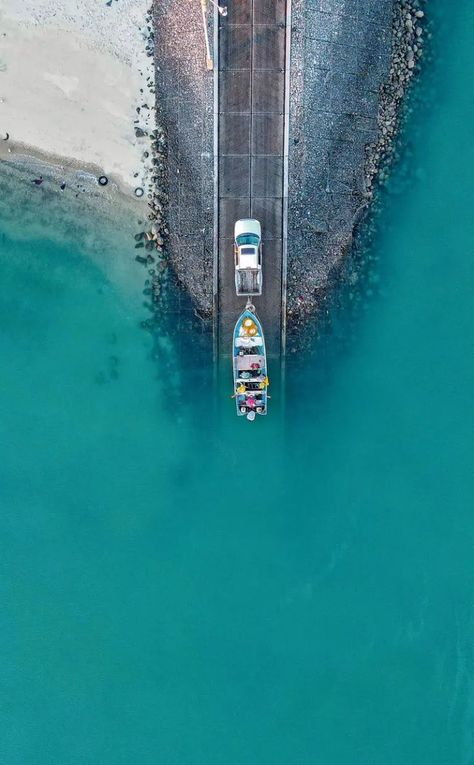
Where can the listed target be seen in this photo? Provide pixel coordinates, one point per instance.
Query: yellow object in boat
(241, 389)
(249, 326)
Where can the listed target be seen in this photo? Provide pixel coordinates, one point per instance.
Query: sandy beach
(71, 79)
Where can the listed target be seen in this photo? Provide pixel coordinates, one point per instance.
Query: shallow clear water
(181, 587)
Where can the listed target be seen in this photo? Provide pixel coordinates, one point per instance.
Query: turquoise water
(180, 587)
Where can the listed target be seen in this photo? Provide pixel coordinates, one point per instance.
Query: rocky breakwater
(407, 49)
(351, 65)
(152, 240)
(184, 90)
(171, 313)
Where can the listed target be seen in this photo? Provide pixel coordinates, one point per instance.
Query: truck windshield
(247, 239)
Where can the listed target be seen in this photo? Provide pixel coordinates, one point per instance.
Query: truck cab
(248, 257)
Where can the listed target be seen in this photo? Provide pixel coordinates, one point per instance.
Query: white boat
(250, 365)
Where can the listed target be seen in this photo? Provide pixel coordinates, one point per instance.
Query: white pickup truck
(248, 257)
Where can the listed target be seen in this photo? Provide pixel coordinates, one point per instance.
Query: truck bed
(247, 283)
